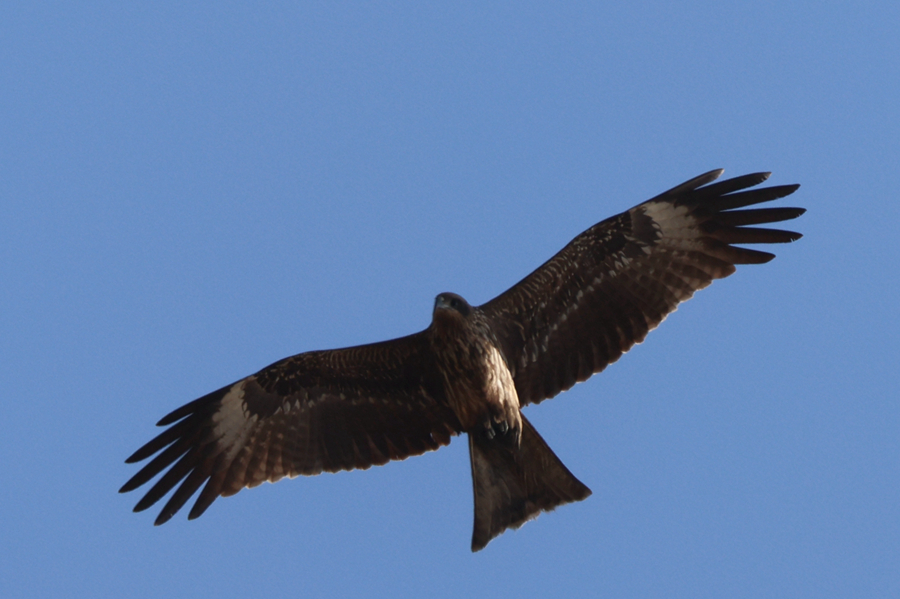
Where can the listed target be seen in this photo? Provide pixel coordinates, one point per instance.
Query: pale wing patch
(672, 221)
(231, 423)
(678, 229)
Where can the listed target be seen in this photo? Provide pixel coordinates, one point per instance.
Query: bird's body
(472, 370)
(461, 342)
(514, 473)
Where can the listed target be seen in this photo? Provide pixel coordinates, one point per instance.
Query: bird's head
(452, 304)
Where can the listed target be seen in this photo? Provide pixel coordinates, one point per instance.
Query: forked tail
(514, 484)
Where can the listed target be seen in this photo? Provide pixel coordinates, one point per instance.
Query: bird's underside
(472, 370)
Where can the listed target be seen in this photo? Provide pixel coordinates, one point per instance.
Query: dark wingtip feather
(176, 415)
(748, 256)
(143, 453)
(165, 438)
(133, 483)
(162, 518)
(208, 495)
(781, 191)
(143, 504)
(732, 185)
(137, 456)
(692, 184)
(172, 477)
(749, 197)
(741, 235)
(187, 488)
(185, 410)
(195, 406)
(754, 216)
(198, 508)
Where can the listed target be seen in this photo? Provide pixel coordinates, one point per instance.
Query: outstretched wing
(318, 411)
(586, 306)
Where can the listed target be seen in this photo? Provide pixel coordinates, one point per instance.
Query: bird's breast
(477, 381)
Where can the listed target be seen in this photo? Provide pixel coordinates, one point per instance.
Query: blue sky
(191, 192)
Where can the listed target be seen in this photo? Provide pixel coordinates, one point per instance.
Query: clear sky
(191, 191)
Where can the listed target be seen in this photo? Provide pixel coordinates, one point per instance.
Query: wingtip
(162, 518)
(131, 484)
(144, 452)
(172, 417)
(193, 407)
(200, 507)
(710, 176)
(691, 184)
(142, 505)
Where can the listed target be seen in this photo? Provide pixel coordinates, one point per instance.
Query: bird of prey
(473, 369)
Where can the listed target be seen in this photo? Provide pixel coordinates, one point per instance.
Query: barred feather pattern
(314, 412)
(617, 281)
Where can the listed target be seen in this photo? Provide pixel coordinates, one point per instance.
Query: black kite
(473, 369)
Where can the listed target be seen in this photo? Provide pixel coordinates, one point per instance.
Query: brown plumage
(472, 369)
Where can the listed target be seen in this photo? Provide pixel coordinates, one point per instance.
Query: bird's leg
(498, 426)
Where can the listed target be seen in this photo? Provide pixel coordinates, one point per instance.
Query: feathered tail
(514, 484)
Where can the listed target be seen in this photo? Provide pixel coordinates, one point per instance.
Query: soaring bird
(473, 369)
